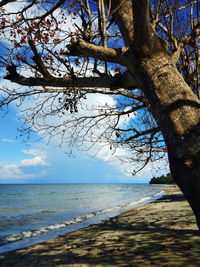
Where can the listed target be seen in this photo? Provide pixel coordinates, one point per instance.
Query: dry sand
(162, 233)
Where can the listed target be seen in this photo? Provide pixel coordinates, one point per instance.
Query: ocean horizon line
(72, 183)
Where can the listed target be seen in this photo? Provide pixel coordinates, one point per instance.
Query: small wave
(41, 230)
(79, 219)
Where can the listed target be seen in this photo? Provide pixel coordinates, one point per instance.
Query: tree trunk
(177, 110)
(188, 180)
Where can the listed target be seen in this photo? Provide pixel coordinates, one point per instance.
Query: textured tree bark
(172, 103)
(177, 110)
(189, 182)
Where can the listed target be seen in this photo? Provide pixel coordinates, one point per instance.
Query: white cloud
(31, 151)
(10, 170)
(15, 6)
(40, 151)
(26, 168)
(15, 172)
(39, 159)
(91, 106)
(113, 158)
(34, 162)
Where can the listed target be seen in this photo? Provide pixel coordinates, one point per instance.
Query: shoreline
(160, 233)
(52, 230)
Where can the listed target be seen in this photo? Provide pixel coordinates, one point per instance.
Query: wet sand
(162, 233)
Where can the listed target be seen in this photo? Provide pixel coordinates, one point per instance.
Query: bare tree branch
(5, 2)
(37, 59)
(112, 82)
(82, 48)
(142, 133)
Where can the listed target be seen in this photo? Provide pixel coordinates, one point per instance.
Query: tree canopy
(65, 55)
(163, 179)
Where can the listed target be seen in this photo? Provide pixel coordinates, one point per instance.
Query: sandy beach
(162, 233)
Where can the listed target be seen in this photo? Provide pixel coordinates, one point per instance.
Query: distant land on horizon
(163, 179)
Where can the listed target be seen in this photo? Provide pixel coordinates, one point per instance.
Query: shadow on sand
(151, 236)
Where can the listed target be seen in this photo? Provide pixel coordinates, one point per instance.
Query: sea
(34, 213)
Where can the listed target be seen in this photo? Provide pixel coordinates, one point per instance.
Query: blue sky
(37, 162)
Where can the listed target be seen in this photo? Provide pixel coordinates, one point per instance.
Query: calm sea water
(31, 214)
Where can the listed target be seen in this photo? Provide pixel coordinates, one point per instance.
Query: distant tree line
(164, 179)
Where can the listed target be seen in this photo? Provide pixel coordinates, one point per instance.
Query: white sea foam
(79, 219)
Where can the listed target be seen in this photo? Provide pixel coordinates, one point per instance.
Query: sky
(39, 162)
